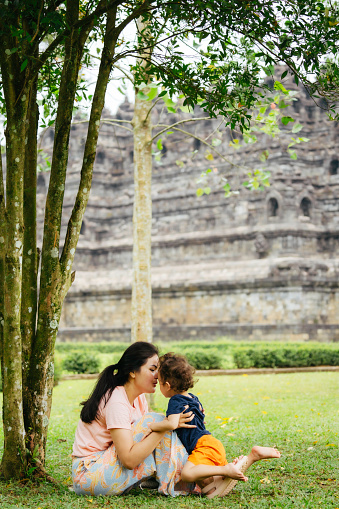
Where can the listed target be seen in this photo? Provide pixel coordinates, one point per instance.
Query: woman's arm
(130, 453)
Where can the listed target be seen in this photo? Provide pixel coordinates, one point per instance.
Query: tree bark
(141, 308)
(29, 289)
(14, 431)
(2, 262)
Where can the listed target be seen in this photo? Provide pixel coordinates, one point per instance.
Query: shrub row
(81, 363)
(286, 357)
(204, 359)
(211, 355)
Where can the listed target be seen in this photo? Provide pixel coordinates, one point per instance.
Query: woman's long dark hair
(132, 359)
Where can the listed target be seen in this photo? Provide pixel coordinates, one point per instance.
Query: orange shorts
(208, 451)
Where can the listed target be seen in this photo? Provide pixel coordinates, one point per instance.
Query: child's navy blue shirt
(188, 436)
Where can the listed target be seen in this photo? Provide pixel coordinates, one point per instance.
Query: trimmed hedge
(224, 353)
(286, 356)
(81, 363)
(204, 359)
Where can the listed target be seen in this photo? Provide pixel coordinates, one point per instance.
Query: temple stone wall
(260, 264)
(273, 311)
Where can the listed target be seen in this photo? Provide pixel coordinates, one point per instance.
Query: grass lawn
(298, 413)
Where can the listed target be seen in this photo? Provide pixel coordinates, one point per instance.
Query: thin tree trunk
(2, 261)
(29, 288)
(141, 309)
(14, 430)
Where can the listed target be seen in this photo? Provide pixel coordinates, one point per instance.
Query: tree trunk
(141, 309)
(2, 262)
(14, 431)
(29, 288)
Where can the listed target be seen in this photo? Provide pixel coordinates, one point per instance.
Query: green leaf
(142, 96)
(293, 154)
(170, 109)
(296, 128)
(24, 65)
(207, 190)
(159, 144)
(280, 86)
(200, 192)
(282, 105)
(286, 120)
(284, 74)
(152, 94)
(269, 70)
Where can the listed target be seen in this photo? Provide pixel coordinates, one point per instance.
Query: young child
(207, 456)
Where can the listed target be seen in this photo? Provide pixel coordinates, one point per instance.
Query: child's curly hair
(176, 370)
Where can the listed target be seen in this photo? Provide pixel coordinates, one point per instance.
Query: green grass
(298, 413)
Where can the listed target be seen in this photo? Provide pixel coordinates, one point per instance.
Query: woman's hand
(185, 418)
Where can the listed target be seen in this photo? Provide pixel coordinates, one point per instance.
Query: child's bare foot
(261, 453)
(232, 471)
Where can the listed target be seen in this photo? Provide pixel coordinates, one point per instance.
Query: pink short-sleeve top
(117, 413)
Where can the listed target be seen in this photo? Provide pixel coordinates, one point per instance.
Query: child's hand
(147, 433)
(185, 418)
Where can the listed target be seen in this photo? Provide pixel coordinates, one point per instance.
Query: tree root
(41, 474)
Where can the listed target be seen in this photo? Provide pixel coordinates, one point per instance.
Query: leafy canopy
(213, 52)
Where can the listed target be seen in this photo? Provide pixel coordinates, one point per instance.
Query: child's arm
(168, 424)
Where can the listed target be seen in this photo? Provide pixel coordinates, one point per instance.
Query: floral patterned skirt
(102, 473)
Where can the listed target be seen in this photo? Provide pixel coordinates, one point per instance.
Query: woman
(114, 449)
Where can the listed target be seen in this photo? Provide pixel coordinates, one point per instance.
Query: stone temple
(257, 265)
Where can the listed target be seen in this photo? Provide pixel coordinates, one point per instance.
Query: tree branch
(205, 143)
(175, 124)
(112, 122)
